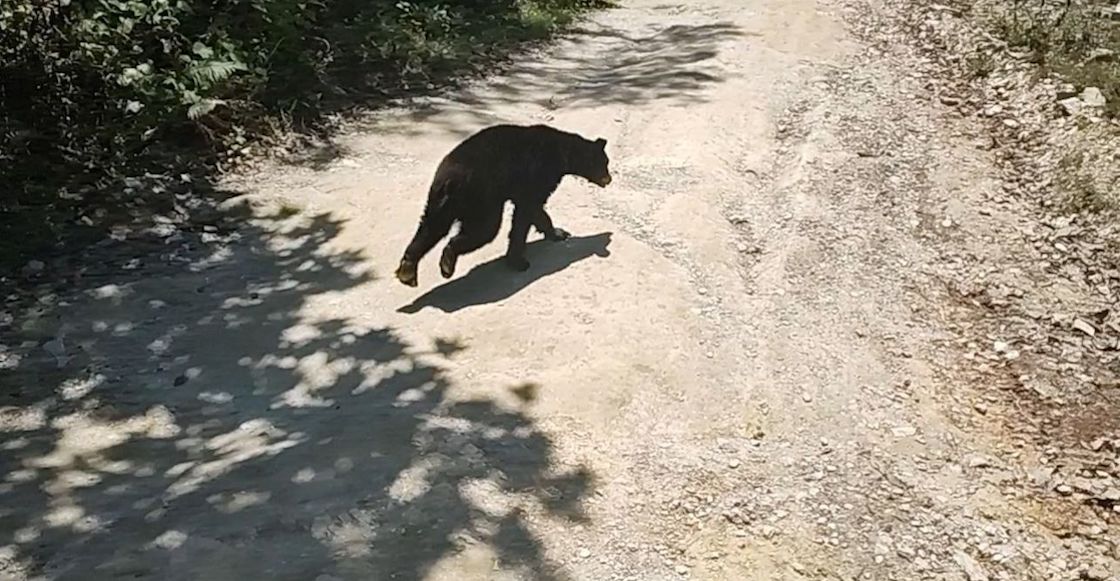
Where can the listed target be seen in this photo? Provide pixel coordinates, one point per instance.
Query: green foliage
(139, 65)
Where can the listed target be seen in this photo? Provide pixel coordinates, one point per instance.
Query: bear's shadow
(493, 281)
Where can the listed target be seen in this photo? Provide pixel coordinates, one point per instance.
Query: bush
(134, 67)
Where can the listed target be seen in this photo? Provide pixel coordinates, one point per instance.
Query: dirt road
(729, 372)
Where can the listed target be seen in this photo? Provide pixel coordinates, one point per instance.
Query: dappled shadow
(179, 412)
(492, 281)
(599, 65)
(671, 63)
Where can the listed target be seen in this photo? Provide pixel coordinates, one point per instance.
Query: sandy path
(723, 375)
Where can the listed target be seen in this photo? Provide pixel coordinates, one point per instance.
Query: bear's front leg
(518, 233)
(543, 223)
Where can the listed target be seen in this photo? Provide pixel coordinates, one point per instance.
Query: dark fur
(522, 164)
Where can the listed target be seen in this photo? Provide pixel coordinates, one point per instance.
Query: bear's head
(590, 162)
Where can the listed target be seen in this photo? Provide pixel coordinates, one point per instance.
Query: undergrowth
(1077, 40)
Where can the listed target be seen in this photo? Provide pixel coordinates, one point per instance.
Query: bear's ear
(602, 143)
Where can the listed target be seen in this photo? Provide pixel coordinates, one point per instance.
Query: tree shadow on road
(600, 65)
(492, 281)
(176, 412)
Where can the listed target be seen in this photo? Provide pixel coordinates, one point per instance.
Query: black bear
(522, 164)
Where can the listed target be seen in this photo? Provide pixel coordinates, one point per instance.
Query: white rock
(1093, 97)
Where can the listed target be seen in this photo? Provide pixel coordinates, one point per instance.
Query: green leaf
(210, 73)
(203, 108)
(202, 50)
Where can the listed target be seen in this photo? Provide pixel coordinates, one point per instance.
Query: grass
(1084, 181)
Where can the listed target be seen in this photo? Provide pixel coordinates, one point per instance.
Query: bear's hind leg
(433, 227)
(475, 231)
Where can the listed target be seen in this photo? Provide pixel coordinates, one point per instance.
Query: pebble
(1110, 495)
(1071, 105)
(1084, 327)
(904, 431)
(584, 553)
(978, 461)
(971, 568)
(1096, 573)
(34, 266)
(808, 397)
(1066, 90)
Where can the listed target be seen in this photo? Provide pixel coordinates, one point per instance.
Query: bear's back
(507, 140)
(509, 157)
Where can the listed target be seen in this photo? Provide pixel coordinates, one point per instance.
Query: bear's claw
(559, 235)
(406, 273)
(447, 264)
